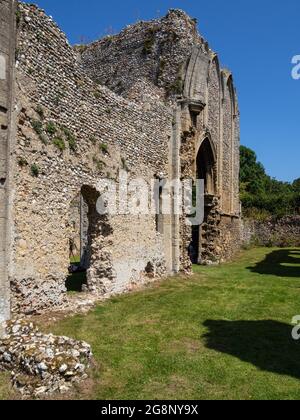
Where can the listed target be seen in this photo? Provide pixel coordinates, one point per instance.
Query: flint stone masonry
(42, 364)
(281, 232)
(152, 101)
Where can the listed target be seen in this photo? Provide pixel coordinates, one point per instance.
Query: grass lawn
(224, 333)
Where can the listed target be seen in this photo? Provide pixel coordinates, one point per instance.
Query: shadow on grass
(267, 345)
(282, 263)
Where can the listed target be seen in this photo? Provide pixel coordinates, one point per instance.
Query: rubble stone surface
(153, 102)
(42, 363)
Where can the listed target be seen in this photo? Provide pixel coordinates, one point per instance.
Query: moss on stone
(22, 162)
(35, 170)
(51, 128)
(59, 143)
(37, 126)
(104, 148)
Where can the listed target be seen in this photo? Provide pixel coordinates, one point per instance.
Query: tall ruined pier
(7, 50)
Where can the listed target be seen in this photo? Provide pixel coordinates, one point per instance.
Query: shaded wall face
(7, 40)
(71, 132)
(227, 184)
(216, 122)
(236, 166)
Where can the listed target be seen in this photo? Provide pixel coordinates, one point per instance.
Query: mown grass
(224, 333)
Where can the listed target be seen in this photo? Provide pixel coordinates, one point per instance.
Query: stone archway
(204, 236)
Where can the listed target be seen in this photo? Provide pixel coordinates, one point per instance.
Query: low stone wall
(42, 364)
(280, 232)
(230, 237)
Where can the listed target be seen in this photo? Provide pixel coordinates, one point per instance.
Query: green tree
(252, 173)
(262, 195)
(296, 185)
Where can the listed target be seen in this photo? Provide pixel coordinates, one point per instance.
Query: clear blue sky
(256, 39)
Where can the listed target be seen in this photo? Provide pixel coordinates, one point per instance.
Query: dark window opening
(159, 209)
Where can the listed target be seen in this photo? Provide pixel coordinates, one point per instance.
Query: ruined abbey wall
(145, 60)
(144, 102)
(7, 48)
(57, 106)
(166, 60)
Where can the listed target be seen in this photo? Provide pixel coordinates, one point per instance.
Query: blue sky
(256, 39)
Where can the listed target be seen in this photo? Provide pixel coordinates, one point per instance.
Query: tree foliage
(263, 196)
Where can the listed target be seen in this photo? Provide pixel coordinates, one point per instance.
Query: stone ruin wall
(157, 59)
(51, 88)
(273, 232)
(71, 130)
(7, 48)
(146, 60)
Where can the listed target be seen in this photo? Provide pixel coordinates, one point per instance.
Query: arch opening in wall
(78, 246)
(91, 267)
(201, 245)
(98, 244)
(205, 166)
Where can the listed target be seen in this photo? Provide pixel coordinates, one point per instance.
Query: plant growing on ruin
(162, 65)
(37, 126)
(72, 143)
(176, 88)
(18, 17)
(149, 41)
(93, 140)
(97, 94)
(40, 112)
(104, 148)
(148, 46)
(43, 138)
(22, 162)
(99, 164)
(80, 48)
(172, 36)
(50, 128)
(70, 138)
(119, 86)
(59, 143)
(35, 170)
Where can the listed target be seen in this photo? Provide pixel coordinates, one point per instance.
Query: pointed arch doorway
(202, 246)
